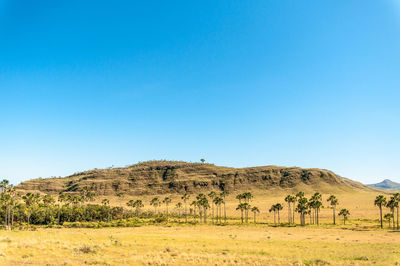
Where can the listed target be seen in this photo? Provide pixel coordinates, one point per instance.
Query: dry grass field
(359, 242)
(200, 245)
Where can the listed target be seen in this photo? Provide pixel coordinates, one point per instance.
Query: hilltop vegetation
(166, 177)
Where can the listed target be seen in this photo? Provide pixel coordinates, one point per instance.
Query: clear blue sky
(90, 84)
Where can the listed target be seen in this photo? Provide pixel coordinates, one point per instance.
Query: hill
(386, 184)
(161, 177)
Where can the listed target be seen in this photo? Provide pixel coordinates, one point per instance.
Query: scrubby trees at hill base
(34, 209)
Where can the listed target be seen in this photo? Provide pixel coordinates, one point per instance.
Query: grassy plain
(359, 242)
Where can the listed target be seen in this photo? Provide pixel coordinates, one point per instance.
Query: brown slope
(161, 177)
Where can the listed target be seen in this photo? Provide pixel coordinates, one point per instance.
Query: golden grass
(199, 245)
(360, 242)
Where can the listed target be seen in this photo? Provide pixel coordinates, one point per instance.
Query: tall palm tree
(344, 213)
(298, 196)
(397, 198)
(273, 209)
(194, 204)
(185, 198)
(30, 200)
(242, 207)
(106, 203)
(255, 210)
(247, 196)
(223, 195)
(278, 208)
(167, 201)
(380, 201)
(212, 195)
(155, 202)
(333, 201)
(61, 198)
(302, 205)
(388, 217)
(120, 196)
(138, 204)
(218, 202)
(392, 204)
(316, 200)
(179, 207)
(288, 199)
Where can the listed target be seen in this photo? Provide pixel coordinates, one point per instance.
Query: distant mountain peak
(386, 184)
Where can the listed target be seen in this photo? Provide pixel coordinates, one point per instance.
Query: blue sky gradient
(90, 84)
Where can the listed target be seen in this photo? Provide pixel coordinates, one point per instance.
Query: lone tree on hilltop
(202, 160)
(380, 201)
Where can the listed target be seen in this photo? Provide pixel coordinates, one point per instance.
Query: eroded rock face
(160, 177)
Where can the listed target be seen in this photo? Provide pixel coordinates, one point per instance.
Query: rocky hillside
(160, 177)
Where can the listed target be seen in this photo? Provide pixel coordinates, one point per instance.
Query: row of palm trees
(392, 204)
(33, 208)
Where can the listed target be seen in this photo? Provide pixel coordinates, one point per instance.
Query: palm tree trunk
(393, 219)
(275, 217)
(212, 214)
(242, 214)
(225, 211)
(185, 211)
(397, 217)
(289, 213)
(279, 218)
(334, 214)
(205, 215)
(255, 217)
(380, 210)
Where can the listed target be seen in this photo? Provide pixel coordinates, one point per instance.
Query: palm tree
(388, 217)
(397, 198)
(120, 196)
(316, 203)
(344, 213)
(242, 207)
(61, 198)
(194, 204)
(167, 201)
(333, 201)
(137, 205)
(30, 200)
(247, 196)
(185, 198)
(179, 207)
(392, 204)
(212, 195)
(298, 196)
(204, 203)
(106, 203)
(380, 201)
(218, 201)
(223, 195)
(255, 210)
(155, 202)
(273, 209)
(278, 207)
(302, 206)
(288, 199)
